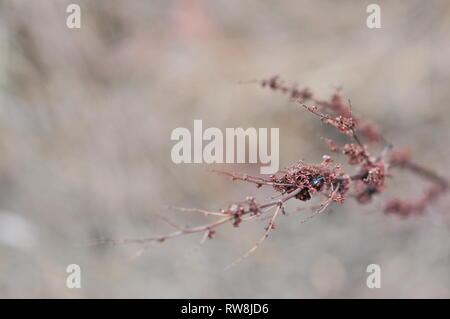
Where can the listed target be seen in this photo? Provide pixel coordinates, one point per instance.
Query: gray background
(85, 123)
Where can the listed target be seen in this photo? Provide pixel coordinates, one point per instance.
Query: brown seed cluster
(409, 208)
(311, 178)
(369, 181)
(337, 106)
(375, 173)
(332, 145)
(343, 124)
(355, 153)
(238, 210)
(276, 83)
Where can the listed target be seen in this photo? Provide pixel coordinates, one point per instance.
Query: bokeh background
(85, 122)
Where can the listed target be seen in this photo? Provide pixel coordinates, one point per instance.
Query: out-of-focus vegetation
(85, 122)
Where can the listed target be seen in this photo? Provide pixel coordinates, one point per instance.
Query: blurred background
(85, 122)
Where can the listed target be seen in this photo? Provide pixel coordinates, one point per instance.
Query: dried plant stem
(196, 210)
(302, 181)
(162, 238)
(426, 173)
(269, 228)
(251, 179)
(281, 201)
(323, 206)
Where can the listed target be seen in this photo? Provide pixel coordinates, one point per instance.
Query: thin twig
(251, 179)
(196, 210)
(426, 173)
(324, 205)
(260, 241)
(162, 238)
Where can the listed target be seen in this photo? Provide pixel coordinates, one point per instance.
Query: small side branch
(269, 228)
(163, 238)
(426, 173)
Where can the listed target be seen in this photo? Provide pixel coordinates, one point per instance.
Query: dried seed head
(311, 179)
(375, 174)
(331, 145)
(355, 153)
